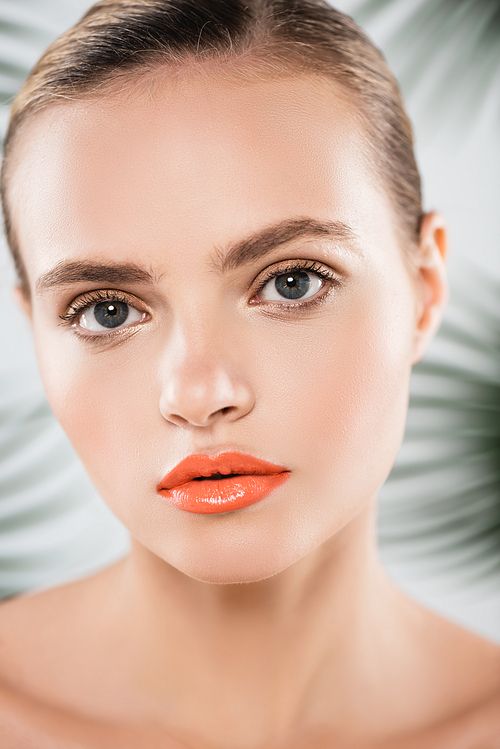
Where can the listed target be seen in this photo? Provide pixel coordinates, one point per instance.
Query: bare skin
(95, 672)
(274, 626)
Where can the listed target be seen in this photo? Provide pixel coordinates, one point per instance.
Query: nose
(200, 387)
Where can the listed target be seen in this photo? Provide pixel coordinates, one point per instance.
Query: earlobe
(431, 274)
(22, 301)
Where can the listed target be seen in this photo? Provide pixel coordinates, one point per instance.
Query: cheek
(340, 400)
(331, 394)
(104, 402)
(338, 381)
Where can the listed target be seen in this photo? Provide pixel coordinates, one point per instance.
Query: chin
(232, 567)
(235, 574)
(238, 557)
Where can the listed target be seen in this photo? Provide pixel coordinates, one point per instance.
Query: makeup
(228, 481)
(228, 357)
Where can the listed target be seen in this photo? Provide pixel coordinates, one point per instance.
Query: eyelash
(311, 266)
(89, 299)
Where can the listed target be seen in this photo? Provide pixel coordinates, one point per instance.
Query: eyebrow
(66, 273)
(243, 252)
(265, 241)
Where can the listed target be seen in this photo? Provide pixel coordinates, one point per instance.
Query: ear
(431, 281)
(23, 302)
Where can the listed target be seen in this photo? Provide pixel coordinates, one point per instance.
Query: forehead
(189, 164)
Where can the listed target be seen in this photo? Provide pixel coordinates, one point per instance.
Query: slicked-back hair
(117, 40)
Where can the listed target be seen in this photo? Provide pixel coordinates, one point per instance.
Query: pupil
(111, 314)
(293, 285)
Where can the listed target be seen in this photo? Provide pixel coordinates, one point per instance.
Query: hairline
(240, 68)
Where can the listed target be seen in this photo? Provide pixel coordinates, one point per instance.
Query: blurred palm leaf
(442, 500)
(26, 29)
(21, 39)
(53, 526)
(443, 496)
(449, 49)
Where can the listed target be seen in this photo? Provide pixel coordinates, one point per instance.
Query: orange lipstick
(220, 483)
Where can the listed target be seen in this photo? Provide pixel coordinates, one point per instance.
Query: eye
(291, 286)
(109, 315)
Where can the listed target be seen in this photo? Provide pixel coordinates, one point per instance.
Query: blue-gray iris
(293, 285)
(111, 314)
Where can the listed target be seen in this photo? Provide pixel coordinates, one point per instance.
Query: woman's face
(198, 193)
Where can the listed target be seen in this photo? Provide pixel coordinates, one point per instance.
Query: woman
(215, 215)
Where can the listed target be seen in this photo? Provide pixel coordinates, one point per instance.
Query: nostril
(199, 397)
(183, 422)
(178, 420)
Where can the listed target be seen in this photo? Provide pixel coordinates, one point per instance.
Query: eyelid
(288, 266)
(89, 299)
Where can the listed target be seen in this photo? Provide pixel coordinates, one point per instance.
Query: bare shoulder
(46, 638)
(481, 724)
(39, 630)
(469, 656)
(475, 728)
(465, 677)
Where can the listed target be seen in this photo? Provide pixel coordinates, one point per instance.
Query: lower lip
(223, 495)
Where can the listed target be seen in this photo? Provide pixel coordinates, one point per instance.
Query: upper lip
(196, 466)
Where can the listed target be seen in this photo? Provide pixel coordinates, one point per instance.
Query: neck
(255, 660)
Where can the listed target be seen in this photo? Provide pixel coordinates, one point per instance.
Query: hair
(117, 40)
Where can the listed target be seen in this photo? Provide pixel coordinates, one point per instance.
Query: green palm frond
(451, 48)
(19, 46)
(444, 491)
(26, 29)
(53, 525)
(442, 500)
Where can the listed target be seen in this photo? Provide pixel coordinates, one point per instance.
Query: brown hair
(117, 39)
